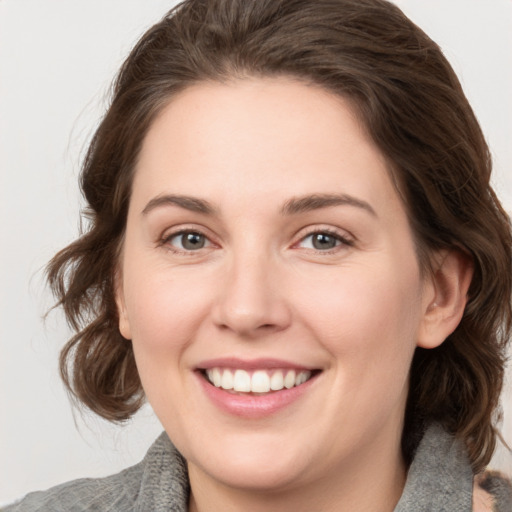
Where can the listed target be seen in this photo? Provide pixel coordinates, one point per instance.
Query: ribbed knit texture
(440, 478)
(157, 484)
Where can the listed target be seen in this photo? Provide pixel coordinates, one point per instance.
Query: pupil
(323, 241)
(193, 241)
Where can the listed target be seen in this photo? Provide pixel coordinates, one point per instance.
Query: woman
(296, 256)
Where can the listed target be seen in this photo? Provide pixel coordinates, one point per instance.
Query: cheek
(164, 307)
(368, 314)
(165, 310)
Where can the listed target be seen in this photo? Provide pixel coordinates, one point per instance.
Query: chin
(251, 465)
(251, 476)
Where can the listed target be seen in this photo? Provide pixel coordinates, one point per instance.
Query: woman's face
(267, 249)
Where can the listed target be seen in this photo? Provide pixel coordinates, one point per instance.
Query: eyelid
(170, 233)
(181, 234)
(345, 238)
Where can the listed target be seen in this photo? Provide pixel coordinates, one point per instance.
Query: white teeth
(277, 381)
(242, 381)
(302, 377)
(226, 380)
(217, 377)
(261, 381)
(214, 376)
(289, 380)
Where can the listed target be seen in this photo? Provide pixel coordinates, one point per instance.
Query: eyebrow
(293, 206)
(192, 204)
(312, 202)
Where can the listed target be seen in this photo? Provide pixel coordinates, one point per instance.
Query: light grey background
(57, 58)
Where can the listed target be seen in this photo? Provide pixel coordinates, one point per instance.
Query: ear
(124, 323)
(445, 297)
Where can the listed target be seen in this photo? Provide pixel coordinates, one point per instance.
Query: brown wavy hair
(414, 109)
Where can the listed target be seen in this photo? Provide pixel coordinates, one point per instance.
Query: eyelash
(166, 241)
(343, 240)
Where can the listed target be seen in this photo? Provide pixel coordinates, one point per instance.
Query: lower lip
(254, 406)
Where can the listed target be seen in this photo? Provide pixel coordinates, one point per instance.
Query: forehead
(259, 139)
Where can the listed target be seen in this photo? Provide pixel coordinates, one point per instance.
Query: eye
(188, 241)
(323, 241)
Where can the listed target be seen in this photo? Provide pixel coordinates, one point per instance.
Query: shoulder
(159, 483)
(116, 492)
(492, 492)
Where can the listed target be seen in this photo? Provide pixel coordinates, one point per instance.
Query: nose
(250, 300)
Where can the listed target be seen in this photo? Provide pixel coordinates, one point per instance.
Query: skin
(258, 288)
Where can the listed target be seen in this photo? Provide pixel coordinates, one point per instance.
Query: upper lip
(251, 364)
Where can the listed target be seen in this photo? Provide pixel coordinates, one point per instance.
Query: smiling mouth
(257, 381)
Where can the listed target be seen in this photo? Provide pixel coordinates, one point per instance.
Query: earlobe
(124, 324)
(445, 297)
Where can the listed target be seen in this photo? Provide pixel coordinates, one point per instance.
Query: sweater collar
(440, 477)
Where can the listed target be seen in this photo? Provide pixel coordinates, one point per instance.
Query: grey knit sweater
(439, 480)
